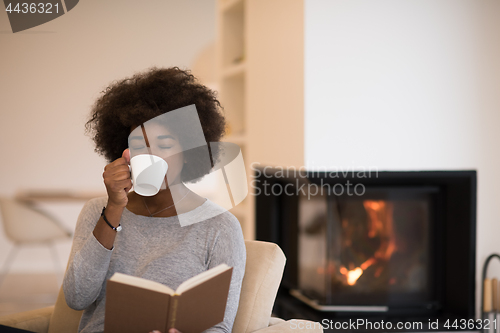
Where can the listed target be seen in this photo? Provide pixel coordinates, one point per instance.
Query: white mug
(148, 173)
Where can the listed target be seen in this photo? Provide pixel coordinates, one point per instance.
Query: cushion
(33, 321)
(293, 326)
(64, 318)
(263, 272)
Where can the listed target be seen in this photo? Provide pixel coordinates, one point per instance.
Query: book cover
(137, 305)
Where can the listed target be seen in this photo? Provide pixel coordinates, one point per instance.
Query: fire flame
(353, 275)
(380, 225)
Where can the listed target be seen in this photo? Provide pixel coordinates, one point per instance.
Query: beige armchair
(263, 272)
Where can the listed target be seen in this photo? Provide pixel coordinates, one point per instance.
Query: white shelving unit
(232, 89)
(260, 82)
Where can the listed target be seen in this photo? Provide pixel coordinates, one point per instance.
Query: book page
(200, 278)
(141, 283)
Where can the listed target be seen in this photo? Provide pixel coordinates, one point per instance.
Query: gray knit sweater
(155, 248)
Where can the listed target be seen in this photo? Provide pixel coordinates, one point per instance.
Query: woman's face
(159, 141)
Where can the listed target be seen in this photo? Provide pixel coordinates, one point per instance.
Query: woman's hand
(117, 180)
(172, 330)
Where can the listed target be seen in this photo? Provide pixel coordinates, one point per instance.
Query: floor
(24, 292)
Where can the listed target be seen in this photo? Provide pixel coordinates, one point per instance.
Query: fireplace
(385, 244)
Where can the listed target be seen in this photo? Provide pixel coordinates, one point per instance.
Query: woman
(151, 243)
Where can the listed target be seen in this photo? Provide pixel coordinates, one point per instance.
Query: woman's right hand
(117, 180)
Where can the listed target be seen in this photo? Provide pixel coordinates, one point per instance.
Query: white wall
(407, 85)
(50, 76)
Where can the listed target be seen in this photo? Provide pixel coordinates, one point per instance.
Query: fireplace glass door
(371, 249)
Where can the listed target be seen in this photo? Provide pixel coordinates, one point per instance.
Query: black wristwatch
(119, 228)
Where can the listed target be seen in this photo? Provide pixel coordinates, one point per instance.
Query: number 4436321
(471, 324)
(32, 8)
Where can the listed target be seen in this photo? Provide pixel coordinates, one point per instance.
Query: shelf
(232, 98)
(232, 33)
(230, 5)
(239, 139)
(234, 70)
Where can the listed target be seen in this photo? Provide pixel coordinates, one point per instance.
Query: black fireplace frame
(277, 216)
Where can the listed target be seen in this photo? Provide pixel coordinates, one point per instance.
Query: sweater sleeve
(88, 262)
(230, 249)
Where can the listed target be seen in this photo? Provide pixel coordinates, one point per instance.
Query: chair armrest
(275, 321)
(34, 320)
(291, 326)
